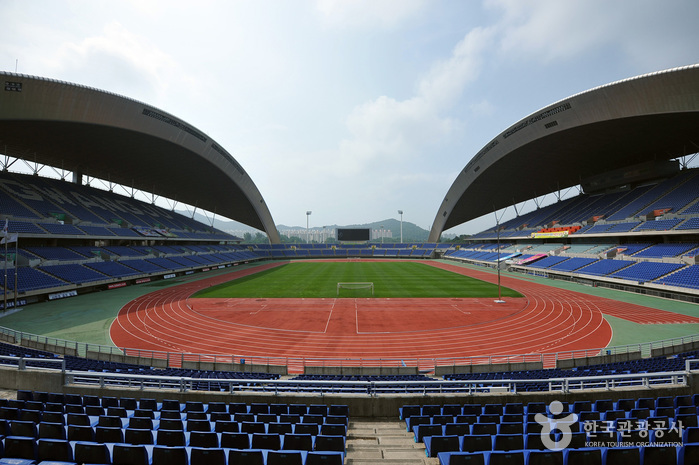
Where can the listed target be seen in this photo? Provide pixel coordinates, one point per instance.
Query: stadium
(134, 334)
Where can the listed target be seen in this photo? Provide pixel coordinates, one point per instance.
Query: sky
(351, 109)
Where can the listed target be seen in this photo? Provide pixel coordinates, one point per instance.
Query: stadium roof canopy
(646, 119)
(107, 136)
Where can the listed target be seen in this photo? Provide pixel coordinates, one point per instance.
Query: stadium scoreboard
(353, 234)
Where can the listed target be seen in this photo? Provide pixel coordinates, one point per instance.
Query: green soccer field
(391, 279)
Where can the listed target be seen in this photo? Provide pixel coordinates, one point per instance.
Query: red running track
(546, 320)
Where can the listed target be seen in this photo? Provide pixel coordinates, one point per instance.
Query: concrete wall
(46, 347)
(239, 367)
(585, 361)
(487, 368)
(359, 371)
(676, 349)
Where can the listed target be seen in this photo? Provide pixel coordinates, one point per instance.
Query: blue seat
(512, 457)
(81, 433)
(226, 426)
(207, 456)
(329, 443)
(462, 458)
(266, 441)
(506, 442)
(131, 454)
(138, 436)
(420, 431)
(19, 447)
(688, 454)
(333, 429)
(246, 457)
(235, 440)
(436, 444)
(52, 431)
(285, 457)
(164, 455)
(459, 429)
(621, 456)
(325, 458)
(24, 428)
(54, 450)
(544, 457)
(111, 434)
(476, 443)
(205, 439)
(170, 438)
(659, 455)
(585, 456)
(297, 442)
(91, 452)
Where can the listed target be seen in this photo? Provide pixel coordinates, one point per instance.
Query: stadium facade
(599, 139)
(91, 132)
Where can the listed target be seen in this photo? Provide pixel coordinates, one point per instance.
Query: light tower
(308, 232)
(400, 212)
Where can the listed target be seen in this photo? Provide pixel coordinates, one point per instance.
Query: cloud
(642, 32)
(390, 130)
(385, 14)
(118, 60)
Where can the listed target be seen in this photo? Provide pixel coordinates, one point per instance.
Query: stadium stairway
(376, 441)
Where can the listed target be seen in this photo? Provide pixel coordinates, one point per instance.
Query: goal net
(355, 289)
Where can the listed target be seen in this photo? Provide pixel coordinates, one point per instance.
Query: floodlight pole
(400, 212)
(497, 230)
(308, 232)
(381, 234)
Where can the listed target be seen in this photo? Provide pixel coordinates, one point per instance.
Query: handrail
(21, 362)
(375, 388)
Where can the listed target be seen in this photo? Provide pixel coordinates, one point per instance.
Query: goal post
(355, 286)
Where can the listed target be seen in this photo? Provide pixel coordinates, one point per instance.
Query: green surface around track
(87, 318)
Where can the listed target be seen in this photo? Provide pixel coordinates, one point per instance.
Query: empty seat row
(129, 403)
(538, 441)
(26, 451)
(88, 432)
(646, 455)
(600, 405)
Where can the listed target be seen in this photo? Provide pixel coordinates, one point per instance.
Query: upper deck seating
(667, 250)
(73, 273)
(647, 195)
(113, 269)
(686, 277)
(59, 229)
(55, 253)
(605, 267)
(30, 279)
(548, 261)
(646, 271)
(680, 196)
(658, 225)
(690, 223)
(573, 264)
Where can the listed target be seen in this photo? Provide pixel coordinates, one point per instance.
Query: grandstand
(634, 226)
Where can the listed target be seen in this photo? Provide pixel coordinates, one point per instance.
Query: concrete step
(383, 441)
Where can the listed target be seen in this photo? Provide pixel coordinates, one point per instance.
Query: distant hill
(411, 231)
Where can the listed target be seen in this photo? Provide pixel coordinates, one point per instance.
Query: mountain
(411, 231)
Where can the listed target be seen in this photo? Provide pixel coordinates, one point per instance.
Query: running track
(284, 331)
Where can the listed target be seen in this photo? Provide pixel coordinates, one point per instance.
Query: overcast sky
(350, 109)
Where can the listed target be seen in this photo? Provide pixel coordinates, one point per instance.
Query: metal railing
(376, 388)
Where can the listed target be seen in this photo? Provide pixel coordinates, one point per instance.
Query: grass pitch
(391, 279)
